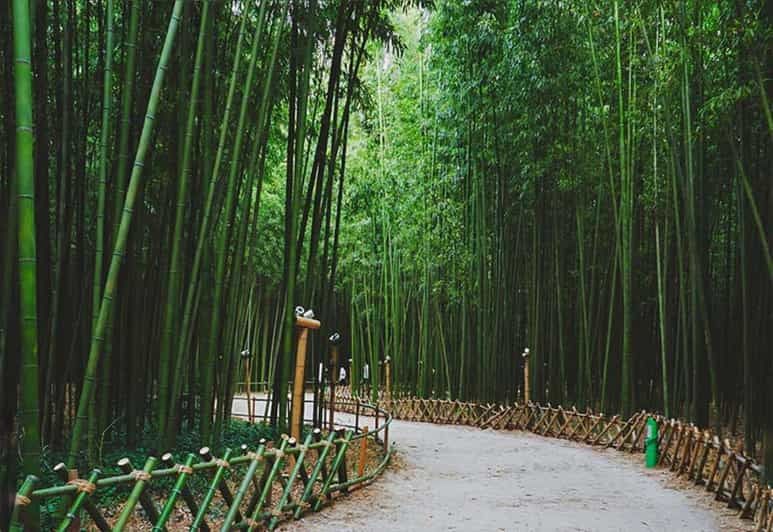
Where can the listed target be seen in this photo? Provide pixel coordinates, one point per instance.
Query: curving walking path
(463, 478)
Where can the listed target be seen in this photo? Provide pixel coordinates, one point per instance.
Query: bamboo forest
(493, 202)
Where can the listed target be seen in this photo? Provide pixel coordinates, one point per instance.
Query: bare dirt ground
(462, 478)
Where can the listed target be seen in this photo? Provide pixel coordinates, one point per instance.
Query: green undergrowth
(114, 448)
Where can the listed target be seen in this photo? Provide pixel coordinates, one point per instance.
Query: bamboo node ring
(83, 485)
(139, 474)
(22, 500)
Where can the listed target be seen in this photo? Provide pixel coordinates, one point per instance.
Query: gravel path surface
(447, 477)
(462, 478)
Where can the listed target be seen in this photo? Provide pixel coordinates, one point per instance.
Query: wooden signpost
(303, 322)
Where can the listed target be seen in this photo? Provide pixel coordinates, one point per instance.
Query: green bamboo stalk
(308, 492)
(122, 237)
(193, 282)
(244, 487)
(127, 98)
(626, 221)
(209, 360)
(29, 409)
(99, 242)
(293, 186)
(177, 490)
(334, 469)
(79, 501)
(22, 502)
(175, 271)
(268, 484)
(213, 487)
(280, 506)
(137, 491)
(103, 162)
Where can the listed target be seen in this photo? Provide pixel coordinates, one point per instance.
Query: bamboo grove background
(591, 180)
(444, 184)
(171, 179)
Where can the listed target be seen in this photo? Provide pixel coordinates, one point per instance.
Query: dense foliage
(587, 179)
(167, 178)
(445, 184)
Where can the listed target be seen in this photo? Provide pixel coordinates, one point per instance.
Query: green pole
(219, 472)
(22, 500)
(185, 470)
(29, 416)
(256, 460)
(651, 443)
(275, 469)
(83, 492)
(143, 477)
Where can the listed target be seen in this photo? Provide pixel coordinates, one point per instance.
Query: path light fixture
(335, 341)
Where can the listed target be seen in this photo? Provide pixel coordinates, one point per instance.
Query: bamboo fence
(276, 481)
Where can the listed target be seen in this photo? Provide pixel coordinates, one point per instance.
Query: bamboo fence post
(319, 467)
(763, 513)
(138, 494)
(269, 462)
(388, 380)
(21, 501)
(732, 501)
(698, 476)
(278, 454)
(85, 487)
(66, 475)
(386, 436)
(72, 474)
(304, 322)
(335, 341)
(526, 385)
(363, 452)
(277, 512)
(222, 465)
(338, 463)
(715, 467)
(184, 471)
(725, 470)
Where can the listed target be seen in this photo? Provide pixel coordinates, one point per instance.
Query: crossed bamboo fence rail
(688, 452)
(276, 481)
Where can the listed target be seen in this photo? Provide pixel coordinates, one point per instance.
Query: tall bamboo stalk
(29, 410)
(208, 363)
(175, 270)
(122, 236)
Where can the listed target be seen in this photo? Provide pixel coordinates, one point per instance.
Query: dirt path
(461, 478)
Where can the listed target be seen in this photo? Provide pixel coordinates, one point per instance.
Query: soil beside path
(462, 478)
